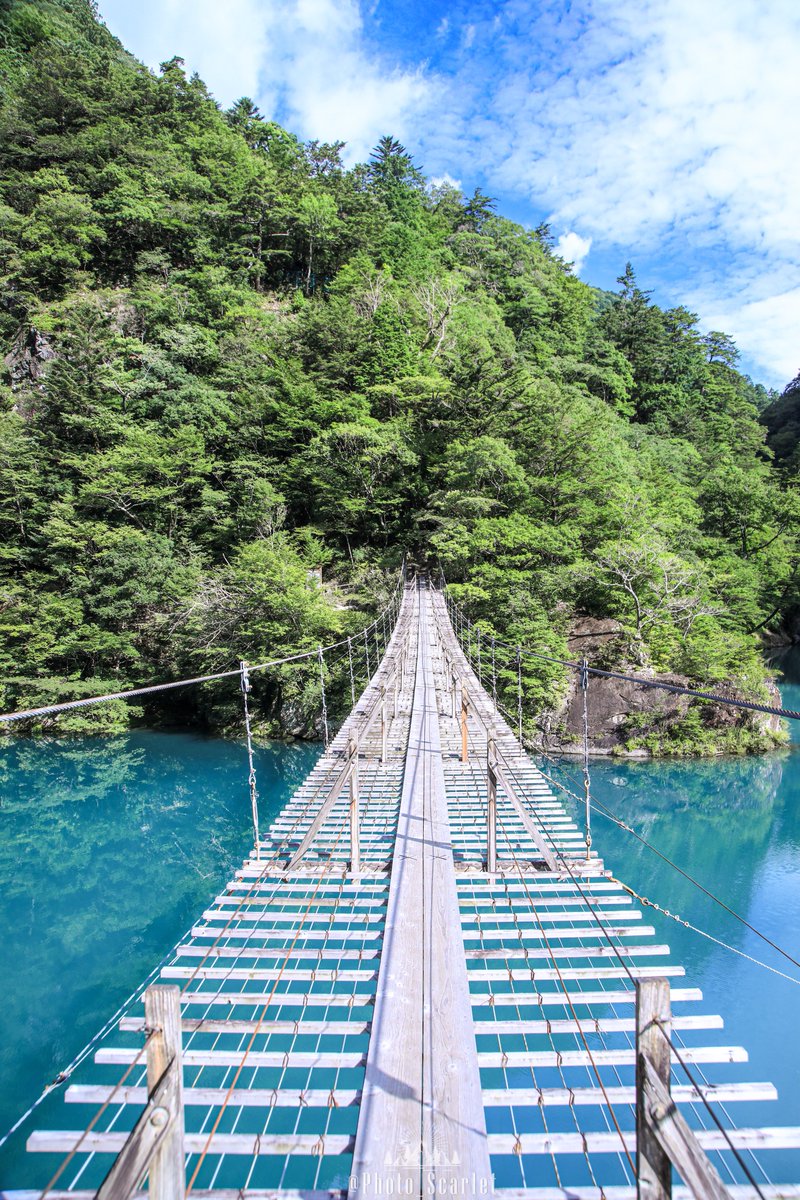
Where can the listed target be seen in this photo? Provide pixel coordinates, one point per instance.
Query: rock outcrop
(633, 720)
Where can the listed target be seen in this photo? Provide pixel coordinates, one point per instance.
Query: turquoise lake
(110, 848)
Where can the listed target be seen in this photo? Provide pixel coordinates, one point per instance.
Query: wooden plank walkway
(418, 1026)
(421, 1116)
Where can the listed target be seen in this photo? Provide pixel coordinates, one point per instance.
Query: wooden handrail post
(394, 709)
(383, 723)
(491, 809)
(162, 1013)
(355, 850)
(155, 1145)
(653, 1166)
(453, 689)
(464, 727)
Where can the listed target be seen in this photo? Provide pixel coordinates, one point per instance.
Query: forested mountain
(230, 360)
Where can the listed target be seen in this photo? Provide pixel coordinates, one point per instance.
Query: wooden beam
(677, 1142)
(653, 1167)
(421, 1109)
(533, 831)
(355, 852)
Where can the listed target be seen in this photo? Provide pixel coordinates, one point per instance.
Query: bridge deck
(420, 1025)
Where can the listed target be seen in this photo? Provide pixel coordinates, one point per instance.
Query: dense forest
(230, 362)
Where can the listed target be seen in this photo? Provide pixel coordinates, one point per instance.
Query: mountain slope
(230, 361)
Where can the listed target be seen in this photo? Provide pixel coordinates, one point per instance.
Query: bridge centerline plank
(421, 1095)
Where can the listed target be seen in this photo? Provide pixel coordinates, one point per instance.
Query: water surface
(109, 850)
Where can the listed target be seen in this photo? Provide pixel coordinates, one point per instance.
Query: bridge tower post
(491, 809)
(464, 725)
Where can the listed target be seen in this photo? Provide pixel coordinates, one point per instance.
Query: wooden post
(162, 1013)
(155, 1146)
(355, 852)
(453, 688)
(394, 710)
(383, 724)
(653, 1166)
(464, 727)
(491, 810)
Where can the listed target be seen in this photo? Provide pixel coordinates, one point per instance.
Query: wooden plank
(322, 973)
(599, 951)
(208, 1097)
(769, 1191)
(510, 941)
(622, 1057)
(766, 1191)
(421, 1108)
(608, 1142)
(478, 974)
(301, 1025)
(255, 1058)
(62, 1141)
(531, 1028)
(370, 953)
(279, 1000)
(721, 1093)
(562, 999)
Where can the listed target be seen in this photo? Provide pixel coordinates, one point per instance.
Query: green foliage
(231, 361)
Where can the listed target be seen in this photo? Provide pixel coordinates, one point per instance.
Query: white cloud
(672, 128)
(768, 328)
(574, 249)
(207, 34)
(318, 71)
(445, 180)
(303, 61)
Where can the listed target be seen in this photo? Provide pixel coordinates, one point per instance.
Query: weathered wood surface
(421, 1113)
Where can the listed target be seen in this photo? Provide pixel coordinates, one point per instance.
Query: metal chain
(324, 697)
(519, 694)
(251, 778)
(584, 685)
(352, 676)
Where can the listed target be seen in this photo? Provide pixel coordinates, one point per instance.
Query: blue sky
(660, 131)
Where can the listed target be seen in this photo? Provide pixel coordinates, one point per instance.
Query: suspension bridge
(423, 981)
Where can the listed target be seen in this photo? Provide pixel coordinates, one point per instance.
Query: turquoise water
(734, 824)
(109, 849)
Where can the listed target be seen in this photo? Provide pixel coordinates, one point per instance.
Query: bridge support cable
(587, 783)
